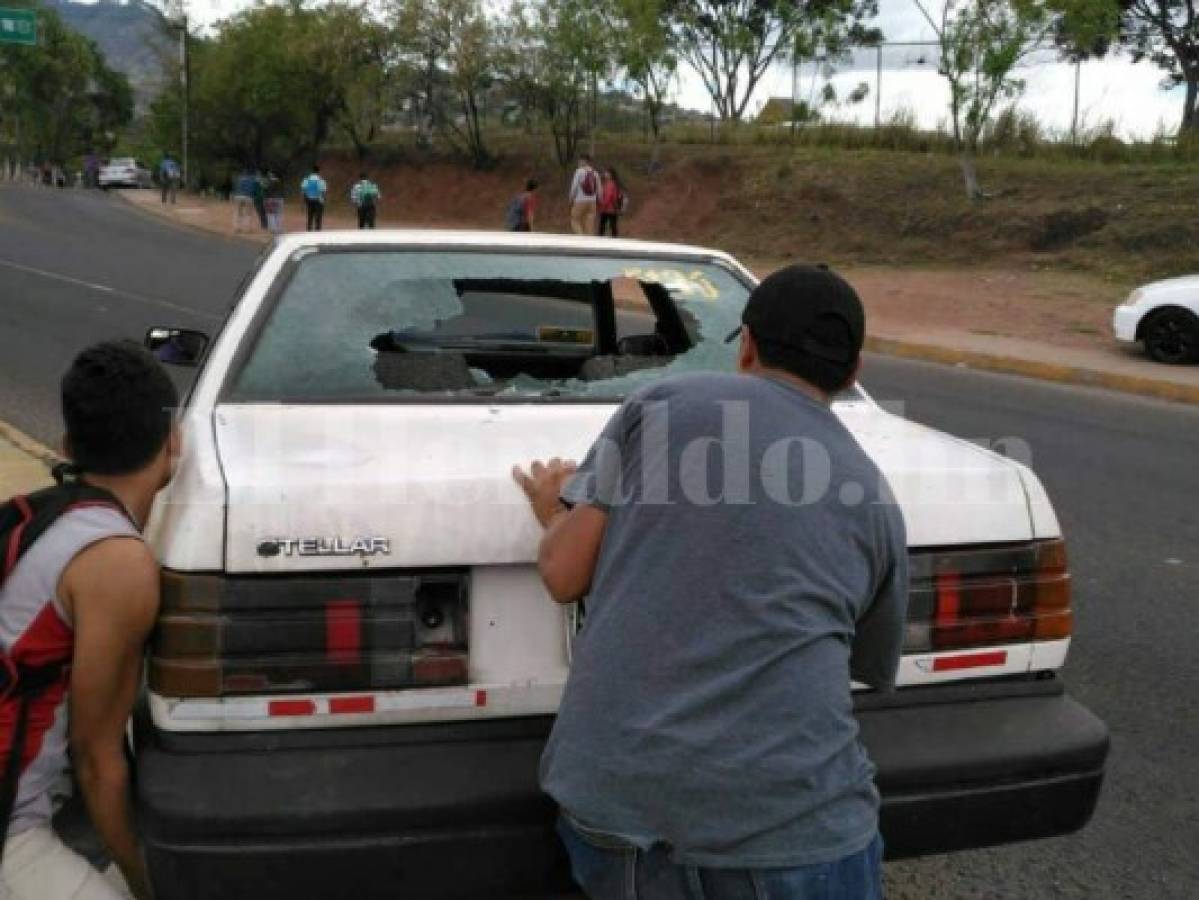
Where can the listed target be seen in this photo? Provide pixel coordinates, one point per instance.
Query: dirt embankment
(1119, 223)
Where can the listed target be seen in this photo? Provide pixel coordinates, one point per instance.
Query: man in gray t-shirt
(742, 560)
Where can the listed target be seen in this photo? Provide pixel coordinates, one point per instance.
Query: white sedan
(357, 663)
(124, 171)
(1165, 316)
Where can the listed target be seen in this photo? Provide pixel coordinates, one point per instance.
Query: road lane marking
(105, 289)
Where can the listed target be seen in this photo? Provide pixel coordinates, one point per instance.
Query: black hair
(531, 184)
(316, 167)
(117, 404)
(615, 176)
(827, 375)
(362, 176)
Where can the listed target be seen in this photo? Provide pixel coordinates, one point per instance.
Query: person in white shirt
(584, 190)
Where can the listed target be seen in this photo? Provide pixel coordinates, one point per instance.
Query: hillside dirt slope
(1119, 223)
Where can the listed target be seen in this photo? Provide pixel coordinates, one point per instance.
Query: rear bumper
(454, 810)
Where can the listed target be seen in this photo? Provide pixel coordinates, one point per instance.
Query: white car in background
(125, 171)
(1165, 316)
(357, 664)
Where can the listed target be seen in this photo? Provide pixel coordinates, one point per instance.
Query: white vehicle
(124, 171)
(1165, 316)
(356, 664)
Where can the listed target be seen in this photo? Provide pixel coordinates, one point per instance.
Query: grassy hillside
(846, 207)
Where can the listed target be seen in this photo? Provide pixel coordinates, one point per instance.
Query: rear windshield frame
(278, 288)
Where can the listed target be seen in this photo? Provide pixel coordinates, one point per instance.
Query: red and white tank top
(36, 630)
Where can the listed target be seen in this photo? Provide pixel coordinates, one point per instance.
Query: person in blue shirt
(314, 190)
(706, 743)
(169, 177)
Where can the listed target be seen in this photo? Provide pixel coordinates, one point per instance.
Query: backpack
(588, 185)
(367, 194)
(311, 188)
(24, 519)
(514, 215)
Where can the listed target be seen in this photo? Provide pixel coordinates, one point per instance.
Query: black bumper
(454, 810)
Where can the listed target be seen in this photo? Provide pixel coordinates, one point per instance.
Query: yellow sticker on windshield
(690, 284)
(554, 334)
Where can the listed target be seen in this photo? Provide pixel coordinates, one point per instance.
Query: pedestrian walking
(521, 214)
(91, 170)
(258, 195)
(584, 188)
(365, 196)
(314, 190)
(272, 193)
(243, 198)
(79, 596)
(612, 203)
(706, 735)
(169, 176)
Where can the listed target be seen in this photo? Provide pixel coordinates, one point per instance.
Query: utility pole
(1077, 87)
(176, 11)
(878, 85)
(185, 84)
(794, 91)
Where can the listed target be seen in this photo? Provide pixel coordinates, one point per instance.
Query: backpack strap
(25, 518)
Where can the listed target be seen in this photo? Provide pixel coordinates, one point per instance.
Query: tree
(981, 44)
(60, 97)
(274, 81)
(452, 45)
(647, 49)
(731, 44)
(1166, 32)
(558, 52)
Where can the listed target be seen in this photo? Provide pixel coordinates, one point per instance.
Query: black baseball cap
(808, 309)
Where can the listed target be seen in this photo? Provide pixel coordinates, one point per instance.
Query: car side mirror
(177, 346)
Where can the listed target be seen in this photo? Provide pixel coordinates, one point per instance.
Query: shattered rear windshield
(370, 324)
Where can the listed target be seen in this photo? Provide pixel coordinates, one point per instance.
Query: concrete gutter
(24, 463)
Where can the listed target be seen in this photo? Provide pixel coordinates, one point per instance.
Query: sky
(1116, 90)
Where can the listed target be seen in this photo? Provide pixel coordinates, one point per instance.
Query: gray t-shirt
(738, 586)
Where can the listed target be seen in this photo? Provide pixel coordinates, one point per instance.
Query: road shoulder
(24, 463)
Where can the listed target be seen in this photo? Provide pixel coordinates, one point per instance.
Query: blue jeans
(611, 870)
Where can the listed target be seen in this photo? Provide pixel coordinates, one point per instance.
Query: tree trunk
(1190, 109)
(969, 175)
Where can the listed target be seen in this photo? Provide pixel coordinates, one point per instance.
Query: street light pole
(878, 85)
(186, 87)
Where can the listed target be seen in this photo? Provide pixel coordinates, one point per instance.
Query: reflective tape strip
(339, 710)
(970, 661)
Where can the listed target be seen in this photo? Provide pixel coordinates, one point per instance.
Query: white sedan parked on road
(124, 171)
(357, 664)
(1165, 315)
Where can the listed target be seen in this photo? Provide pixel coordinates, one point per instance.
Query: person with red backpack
(584, 191)
(79, 595)
(612, 203)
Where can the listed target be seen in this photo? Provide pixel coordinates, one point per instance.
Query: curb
(183, 225)
(1045, 371)
(28, 445)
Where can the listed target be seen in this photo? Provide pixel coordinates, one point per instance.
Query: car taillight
(222, 635)
(978, 597)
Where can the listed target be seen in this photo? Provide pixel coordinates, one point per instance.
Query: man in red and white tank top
(87, 592)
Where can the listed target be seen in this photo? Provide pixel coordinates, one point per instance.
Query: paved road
(1124, 474)
(80, 266)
